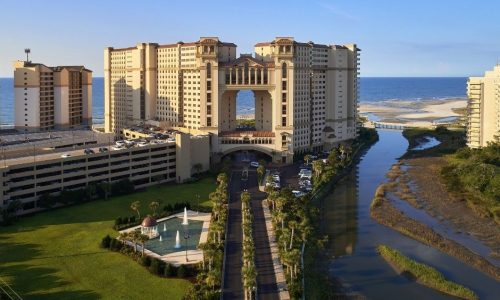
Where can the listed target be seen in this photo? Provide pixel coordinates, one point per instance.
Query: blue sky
(397, 38)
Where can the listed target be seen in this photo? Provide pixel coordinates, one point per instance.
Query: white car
(65, 155)
(120, 143)
(254, 164)
(142, 144)
(117, 147)
(298, 194)
(276, 178)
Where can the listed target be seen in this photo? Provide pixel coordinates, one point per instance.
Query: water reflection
(340, 208)
(353, 236)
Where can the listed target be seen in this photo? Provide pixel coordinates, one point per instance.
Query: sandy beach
(413, 113)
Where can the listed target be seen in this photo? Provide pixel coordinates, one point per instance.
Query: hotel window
(209, 121)
(283, 97)
(283, 121)
(283, 70)
(209, 70)
(209, 85)
(283, 85)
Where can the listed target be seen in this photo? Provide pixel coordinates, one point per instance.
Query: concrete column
(230, 75)
(262, 76)
(249, 75)
(237, 75)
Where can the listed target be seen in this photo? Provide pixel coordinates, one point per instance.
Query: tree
(135, 206)
(105, 187)
(154, 207)
(142, 239)
(318, 168)
(307, 158)
(261, 170)
(197, 168)
(10, 210)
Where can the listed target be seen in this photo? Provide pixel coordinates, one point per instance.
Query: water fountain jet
(185, 220)
(177, 240)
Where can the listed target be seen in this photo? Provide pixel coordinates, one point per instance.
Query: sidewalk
(278, 267)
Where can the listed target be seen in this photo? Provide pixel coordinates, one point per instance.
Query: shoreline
(421, 113)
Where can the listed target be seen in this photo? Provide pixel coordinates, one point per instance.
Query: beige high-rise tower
(305, 93)
(483, 109)
(48, 98)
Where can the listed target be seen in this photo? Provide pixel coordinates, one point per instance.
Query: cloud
(337, 11)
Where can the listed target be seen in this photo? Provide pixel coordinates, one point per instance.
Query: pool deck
(179, 258)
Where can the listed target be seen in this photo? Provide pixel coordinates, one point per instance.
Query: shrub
(156, 266)
(170, 270)
(131, 220)
(106, 242)
(115, 245)
(118, 221)
(145, 261)
(182, 272)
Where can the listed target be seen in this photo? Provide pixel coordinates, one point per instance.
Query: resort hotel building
(305, 93)
(483, 109)
(51, 98)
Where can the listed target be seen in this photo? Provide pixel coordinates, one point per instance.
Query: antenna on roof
(27, 51)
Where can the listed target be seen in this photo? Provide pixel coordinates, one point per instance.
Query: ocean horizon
(371, 89)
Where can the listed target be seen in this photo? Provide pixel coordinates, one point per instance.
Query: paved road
(266, 280)
(233, 286)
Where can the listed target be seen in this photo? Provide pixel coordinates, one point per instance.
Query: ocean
(371, 89)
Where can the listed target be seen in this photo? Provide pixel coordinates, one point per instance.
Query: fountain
(177, 240)
(185, 220)
(164, 226)
(161, 239)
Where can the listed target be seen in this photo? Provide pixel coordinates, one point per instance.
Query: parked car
(65, 155)
(254, 164)
(103, 149)
(117, 147)
(276, 178)
(120, 143)
(88, 151)
(142, 143)
(298, 194)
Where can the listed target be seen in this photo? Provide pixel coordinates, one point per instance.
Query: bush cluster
(154, 265)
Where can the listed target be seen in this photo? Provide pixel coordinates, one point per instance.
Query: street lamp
(186, 237)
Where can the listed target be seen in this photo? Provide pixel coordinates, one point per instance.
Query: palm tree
(318, 168)
(292, 224)
(154, 206)
(212, 279)
(142, 238)
(307, 158)
(135, 206)
(106, 188)
(218, 228)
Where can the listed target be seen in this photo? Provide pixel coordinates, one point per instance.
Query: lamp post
(186, 237)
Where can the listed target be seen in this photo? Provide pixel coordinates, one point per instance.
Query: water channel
(353, 236)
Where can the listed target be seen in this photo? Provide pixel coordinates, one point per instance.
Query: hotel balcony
(247, 137)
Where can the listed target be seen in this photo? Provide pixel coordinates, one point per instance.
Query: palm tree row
(135, 237)
(291, 218)
(248, 271)
(208, 281)
(339, 158)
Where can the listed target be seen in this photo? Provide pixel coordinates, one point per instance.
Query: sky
(397, 38)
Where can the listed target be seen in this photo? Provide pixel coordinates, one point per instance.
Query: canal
(354, 236)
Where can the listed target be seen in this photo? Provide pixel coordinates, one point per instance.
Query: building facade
(305, 93)
(51, 98)
(483, 109)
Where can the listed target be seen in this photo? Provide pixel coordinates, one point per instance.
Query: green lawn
(56, 254)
